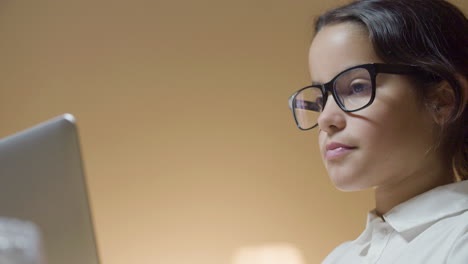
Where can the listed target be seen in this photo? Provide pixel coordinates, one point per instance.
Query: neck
(389, 196)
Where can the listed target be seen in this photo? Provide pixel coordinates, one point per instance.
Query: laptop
(42, 181)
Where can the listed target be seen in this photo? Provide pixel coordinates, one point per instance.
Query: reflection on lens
(354, 88)
(307, 107)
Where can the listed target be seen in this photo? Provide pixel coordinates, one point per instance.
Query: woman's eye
(360, 87)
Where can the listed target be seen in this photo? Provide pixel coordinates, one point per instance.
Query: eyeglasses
(352, 89)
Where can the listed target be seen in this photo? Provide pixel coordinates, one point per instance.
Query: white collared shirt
(431, 228)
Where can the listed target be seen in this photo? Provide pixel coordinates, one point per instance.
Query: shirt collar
(365, 237)
(429, 207)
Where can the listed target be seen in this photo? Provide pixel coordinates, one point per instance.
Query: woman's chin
(348, 183)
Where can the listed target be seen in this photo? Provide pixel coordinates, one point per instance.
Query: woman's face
(387, 143)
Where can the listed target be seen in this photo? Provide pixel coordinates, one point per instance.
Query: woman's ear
(441, 102)
(442, 99)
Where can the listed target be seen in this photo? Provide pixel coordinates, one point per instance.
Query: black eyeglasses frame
(372, 68)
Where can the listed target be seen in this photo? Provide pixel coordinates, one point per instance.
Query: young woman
(389, 98)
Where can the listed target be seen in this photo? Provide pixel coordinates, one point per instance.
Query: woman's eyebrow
(316, 83)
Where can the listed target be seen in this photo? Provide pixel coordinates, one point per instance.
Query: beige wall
(191, 153)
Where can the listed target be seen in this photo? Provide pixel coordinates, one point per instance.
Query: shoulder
(338, 254)
(459, 251)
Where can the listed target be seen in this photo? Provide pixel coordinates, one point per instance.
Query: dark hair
(430, 34)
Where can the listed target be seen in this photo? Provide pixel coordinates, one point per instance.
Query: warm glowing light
(269, 254)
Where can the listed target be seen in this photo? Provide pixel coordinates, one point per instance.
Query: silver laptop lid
(42, 180)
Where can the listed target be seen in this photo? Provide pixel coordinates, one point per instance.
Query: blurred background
(190, 150)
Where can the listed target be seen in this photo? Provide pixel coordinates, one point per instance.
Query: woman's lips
(336, 150)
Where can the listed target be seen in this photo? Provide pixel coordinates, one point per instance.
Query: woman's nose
(332, 119)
